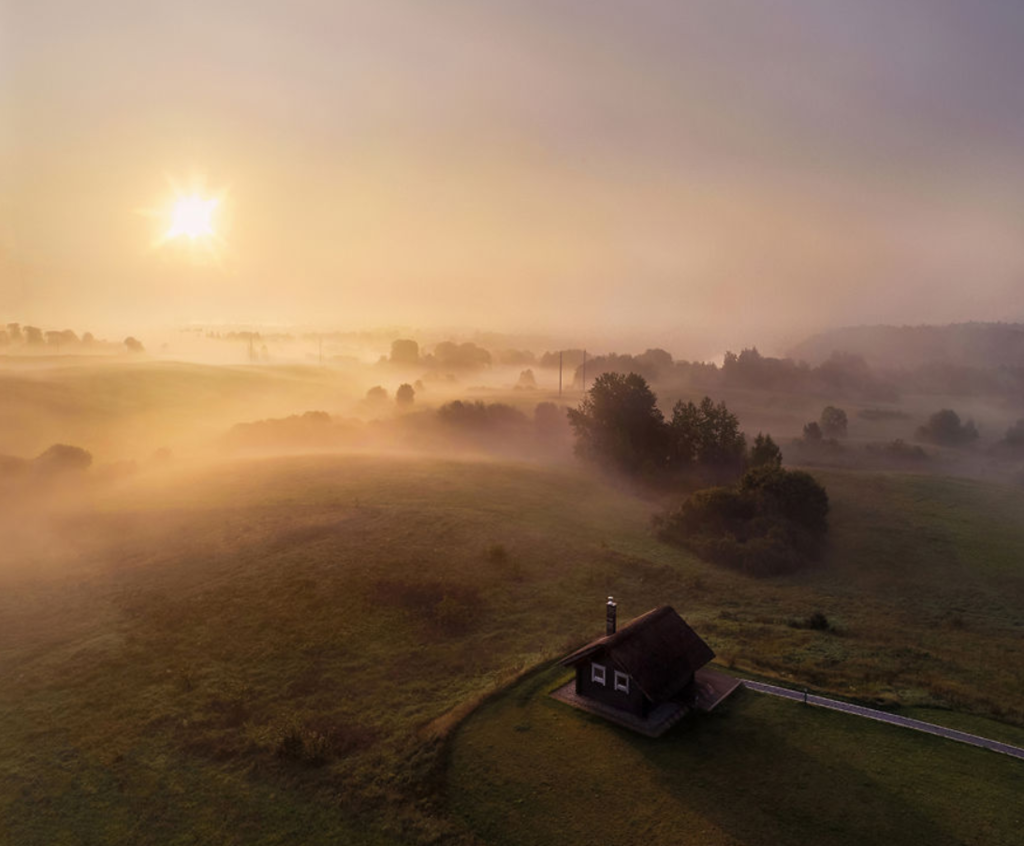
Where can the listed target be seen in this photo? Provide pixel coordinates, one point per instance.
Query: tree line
(757, 518)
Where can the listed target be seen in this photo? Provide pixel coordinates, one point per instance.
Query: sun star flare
(192, 217)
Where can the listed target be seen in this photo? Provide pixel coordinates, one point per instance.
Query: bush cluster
(772, 522)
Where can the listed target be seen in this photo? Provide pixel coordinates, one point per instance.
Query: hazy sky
(666, 170)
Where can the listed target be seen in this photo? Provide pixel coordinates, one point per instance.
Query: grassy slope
(529, 770)
(161, 658)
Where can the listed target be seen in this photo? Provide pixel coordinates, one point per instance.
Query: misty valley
(300, 586)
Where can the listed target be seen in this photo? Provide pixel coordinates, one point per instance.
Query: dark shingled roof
(657, 649)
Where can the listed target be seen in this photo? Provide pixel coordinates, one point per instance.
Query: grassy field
(123, 409)
(271, 651)
(529, 770)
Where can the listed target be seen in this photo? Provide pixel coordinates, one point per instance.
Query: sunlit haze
(693, 174)
(493, 423)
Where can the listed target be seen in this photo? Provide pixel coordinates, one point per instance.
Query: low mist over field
(371, 371)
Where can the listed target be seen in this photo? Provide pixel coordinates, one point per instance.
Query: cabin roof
(658, 649)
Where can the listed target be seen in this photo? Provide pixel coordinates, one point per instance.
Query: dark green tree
(405, 395)
(833, 422)
(619, 425)
(765, 452)
(707, 435)
(1015, 435)
(405, 351)
(944, 428)
(812, 432)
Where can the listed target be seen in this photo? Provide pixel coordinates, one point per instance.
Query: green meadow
(278, 651)
(527, 769)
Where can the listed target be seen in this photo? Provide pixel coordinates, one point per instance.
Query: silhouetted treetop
(765, 452)
(833, 422)
(619, 424)
(405, 395)
(945, 429)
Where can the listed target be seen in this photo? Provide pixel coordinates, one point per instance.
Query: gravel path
(883, 717)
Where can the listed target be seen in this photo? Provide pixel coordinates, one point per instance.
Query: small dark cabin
(649, 661)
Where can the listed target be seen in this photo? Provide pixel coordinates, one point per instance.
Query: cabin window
(621, 682)
(597, 673)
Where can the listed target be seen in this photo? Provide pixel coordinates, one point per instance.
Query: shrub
(898, 450)
(479, 416)
(771, 522)
(818, 622)
(793, 494)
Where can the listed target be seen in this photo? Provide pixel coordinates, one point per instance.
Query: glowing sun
(192, 217)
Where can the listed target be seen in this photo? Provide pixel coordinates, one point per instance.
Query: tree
(944, 428)
(1015, 435)
(481, 417)
(461, 356)
(833, 422)
(706, 435)
(405, 395)
(405, 351)
(527, 381)
(133, 345)
(377, 394)
(812, 433)
(62, 458)
(619, 424)
(765, 452)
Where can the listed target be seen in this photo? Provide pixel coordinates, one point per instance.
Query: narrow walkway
(883, 717)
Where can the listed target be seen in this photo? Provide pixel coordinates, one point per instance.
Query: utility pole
(559, 374)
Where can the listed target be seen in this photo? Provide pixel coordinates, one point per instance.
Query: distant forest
(843, 374)
(970, 345)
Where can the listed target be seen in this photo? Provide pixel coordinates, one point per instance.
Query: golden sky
(645, 169)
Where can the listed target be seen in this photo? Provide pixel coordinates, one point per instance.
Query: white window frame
(598, 674)
(621, 682)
